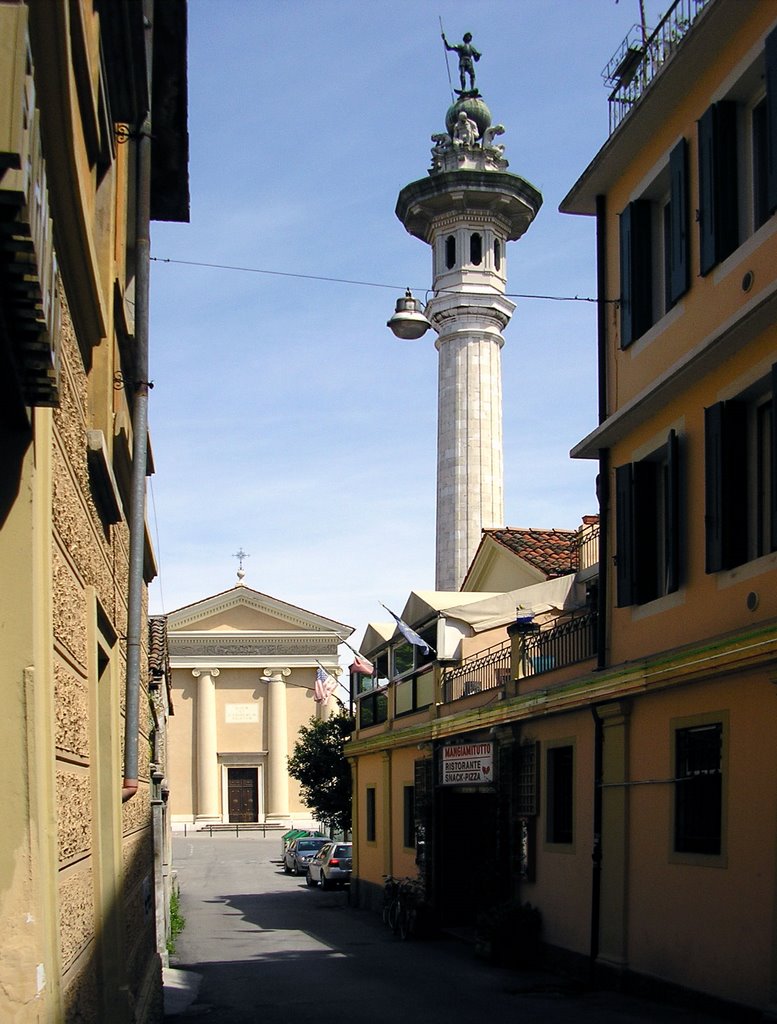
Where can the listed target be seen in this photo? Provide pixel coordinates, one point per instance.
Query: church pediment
(243, 610)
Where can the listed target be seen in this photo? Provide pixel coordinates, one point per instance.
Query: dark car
(331, 865)
(300, 852)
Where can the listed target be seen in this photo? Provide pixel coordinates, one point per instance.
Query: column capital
(214, 672)
(268, 673)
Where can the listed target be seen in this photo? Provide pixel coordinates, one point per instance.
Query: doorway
(466, 859)
(242, 794)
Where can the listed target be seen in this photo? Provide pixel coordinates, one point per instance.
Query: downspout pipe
(596, 855)
(603, 482)
(141, 386)
(603, 489)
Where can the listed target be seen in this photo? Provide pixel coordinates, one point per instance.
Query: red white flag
(325, 686)
(362, 666)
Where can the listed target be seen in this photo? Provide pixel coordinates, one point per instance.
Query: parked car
(331, 865)
(300, 852)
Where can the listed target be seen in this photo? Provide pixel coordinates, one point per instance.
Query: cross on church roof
(240, 555)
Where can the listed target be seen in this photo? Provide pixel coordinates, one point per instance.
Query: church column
(277, 743)
(207, 746)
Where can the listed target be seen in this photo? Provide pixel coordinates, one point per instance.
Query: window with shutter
(678, 273)
(648, 526)
(718, 184)
(740, 461)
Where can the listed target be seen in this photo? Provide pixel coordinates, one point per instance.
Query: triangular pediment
(243, 610)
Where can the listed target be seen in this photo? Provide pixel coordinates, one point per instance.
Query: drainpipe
(596, 856)
(603, 482)
(137, 514)
(603, 490)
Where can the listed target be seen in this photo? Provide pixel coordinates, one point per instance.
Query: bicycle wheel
(407, 923)
(393, 915)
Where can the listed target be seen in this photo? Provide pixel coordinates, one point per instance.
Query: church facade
(244, 669)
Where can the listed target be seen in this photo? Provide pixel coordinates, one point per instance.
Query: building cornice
(732, 335)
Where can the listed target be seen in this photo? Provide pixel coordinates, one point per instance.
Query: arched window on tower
(497, 254)
(476, 249)
(450, 252)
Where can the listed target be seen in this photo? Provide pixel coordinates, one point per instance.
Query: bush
(509, 934)
(177, 920)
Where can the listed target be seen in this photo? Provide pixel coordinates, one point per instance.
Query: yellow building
(632, 797)
(243, 683)
(684, 193)
(80, 178)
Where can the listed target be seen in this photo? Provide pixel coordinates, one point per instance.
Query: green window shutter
(645, 540)
(735, 504)
(636, 271)
(624, 536)
(718, 185)
(770, 57)
(679, 262)
(713, 487)
(673, 525)
(627, 331)
(773, 466)
(725, 467)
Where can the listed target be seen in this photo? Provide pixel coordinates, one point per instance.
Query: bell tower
(467, 209)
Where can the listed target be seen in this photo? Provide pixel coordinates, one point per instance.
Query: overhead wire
(363, 284)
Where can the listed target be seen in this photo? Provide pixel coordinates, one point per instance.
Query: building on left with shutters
(93, 145)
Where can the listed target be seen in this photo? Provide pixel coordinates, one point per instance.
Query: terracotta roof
(158, 664)
(553, 552)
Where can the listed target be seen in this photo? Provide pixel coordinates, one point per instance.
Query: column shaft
(277, 744)
(207, 745)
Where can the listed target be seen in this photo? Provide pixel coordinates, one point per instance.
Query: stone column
(207, 746)
(277, 743)
(469, 427)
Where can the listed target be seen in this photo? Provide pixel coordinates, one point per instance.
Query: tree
(319, 765)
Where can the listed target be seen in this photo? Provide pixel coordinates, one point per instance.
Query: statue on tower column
(467, 54)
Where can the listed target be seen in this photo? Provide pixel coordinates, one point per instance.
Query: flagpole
(353, 649)
(337, 681)
(406, 630)
(447, 65)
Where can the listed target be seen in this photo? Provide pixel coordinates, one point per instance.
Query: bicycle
(410, 897)
(390, 902)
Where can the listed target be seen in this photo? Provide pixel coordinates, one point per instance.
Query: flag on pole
(324, 687)
(410, 634)
(362, 665)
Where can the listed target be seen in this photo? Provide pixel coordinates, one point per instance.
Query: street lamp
(408, 322)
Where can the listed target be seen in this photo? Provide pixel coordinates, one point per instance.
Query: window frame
(408, 817)
(649, 541)
(370, 815)
(688, 725)
(560, 806)
(654, 248)
(737, 531)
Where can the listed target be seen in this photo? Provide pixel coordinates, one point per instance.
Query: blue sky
(285, 417)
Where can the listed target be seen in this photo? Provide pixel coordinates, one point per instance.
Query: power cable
(363, 284)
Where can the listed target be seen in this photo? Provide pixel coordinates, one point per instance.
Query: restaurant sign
(468, 764)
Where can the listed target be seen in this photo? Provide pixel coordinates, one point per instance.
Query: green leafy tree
(319, 765)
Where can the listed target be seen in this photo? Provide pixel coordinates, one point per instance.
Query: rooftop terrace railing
(488, 670)
(563, 644)
(552, 647)
(641, 56)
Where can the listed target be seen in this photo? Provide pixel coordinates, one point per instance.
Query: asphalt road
(267, 949)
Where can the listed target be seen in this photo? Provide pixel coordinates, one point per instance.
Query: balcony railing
(640, 57)
(554, 647)
(490, 670)
(563, 644)
(587, 544)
